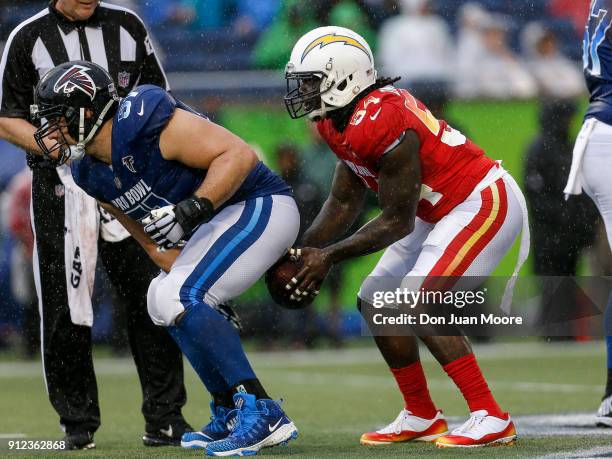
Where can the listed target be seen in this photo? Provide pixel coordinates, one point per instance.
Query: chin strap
(97, 124)
(77, 151)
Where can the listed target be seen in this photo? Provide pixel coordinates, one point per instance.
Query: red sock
(467, 376)
(413, 385)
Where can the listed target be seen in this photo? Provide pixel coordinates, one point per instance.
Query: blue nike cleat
(258, 424)
(216, 429)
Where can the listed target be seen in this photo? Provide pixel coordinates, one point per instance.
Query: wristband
(193, 211)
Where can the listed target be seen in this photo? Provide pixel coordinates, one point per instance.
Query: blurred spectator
(560, 230)
(13, 161)
(556, 75)
(380, 10)
(13, 12)
(194, 14)
(308, 195)
(273, 48)
(437, 97)
(496, 71)
(160, 13)
(253, 17)
(319, 161)
(18, 196)
(470, 44)
(309, 199)
(576, 11)
(207, 14)
(347, 13)
(416, 44)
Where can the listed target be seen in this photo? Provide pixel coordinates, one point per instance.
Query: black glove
(193, 211)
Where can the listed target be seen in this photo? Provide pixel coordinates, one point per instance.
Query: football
(278, 276)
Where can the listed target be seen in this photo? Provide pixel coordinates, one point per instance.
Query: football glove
(162, 227)
(167, 225)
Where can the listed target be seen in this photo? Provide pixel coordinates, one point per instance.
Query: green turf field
(335, 395)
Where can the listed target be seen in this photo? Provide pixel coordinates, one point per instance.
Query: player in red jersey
(447, 210)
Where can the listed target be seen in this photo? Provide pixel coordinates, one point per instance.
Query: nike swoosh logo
(167, 432)
(375, 115)
(140, 113)
(273, 428)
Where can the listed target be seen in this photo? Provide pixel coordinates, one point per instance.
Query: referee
(70, 230)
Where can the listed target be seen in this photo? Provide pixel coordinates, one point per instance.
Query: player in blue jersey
(156, 162)
(592, 157)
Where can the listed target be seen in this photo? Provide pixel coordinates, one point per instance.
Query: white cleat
(480, 430)
(604, 413)
(407, 427)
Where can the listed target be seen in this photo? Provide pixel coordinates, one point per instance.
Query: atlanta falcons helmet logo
(128, 161)
(76, 78)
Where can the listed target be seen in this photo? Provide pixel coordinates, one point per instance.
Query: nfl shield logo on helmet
(123, 79)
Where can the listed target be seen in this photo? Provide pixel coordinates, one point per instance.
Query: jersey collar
(68, 26)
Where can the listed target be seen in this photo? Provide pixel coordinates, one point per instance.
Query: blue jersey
(140, 179)
(597, 60)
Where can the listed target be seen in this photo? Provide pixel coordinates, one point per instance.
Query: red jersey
(451, 165)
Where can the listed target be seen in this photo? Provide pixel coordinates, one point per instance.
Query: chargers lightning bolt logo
(333, 38)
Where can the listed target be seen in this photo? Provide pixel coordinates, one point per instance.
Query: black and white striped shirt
(113, 37)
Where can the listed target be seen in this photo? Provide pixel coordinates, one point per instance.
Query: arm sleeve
(151, 71)
(18, 79)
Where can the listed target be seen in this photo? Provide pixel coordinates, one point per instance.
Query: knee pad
(163, 303)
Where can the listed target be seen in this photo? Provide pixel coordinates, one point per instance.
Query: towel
(574, 182)
(506, 302)
(80, 247)
(110, 228)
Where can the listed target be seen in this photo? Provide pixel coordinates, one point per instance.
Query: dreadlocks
(341, 117)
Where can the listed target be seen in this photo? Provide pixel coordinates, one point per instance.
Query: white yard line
(113, 367)
(598, 451)
(12, 435)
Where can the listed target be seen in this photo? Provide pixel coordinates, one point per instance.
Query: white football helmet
(328, 67)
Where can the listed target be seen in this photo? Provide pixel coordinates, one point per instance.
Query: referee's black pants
(67, 354)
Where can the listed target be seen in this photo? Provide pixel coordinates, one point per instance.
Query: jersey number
(428, 194)
(601, 20)
(425, 116)
(451, 137)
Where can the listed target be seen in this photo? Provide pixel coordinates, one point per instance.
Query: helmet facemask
(56, 120)
(304, 91)
(76, 121)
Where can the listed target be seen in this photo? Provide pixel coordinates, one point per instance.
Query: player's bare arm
(340, 210)
(199, 143)
(399, 189)
(19, 132)
(163, 259)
